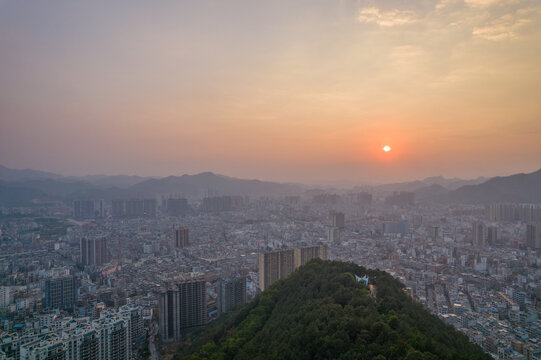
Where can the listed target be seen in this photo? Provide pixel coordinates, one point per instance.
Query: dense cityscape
(114, 278)
(281, 180)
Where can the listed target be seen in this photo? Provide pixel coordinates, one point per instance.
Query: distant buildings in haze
(514, 212)
(222, 203)
(87, 209)
(479, 234)
(338, 220)
(533, 236)
(182, 238)
(401, 198)
(134, 208)
(93, 251)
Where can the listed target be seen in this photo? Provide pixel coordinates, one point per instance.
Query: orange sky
(309, 91)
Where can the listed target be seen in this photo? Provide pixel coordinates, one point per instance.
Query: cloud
(389, 18)
(505, 27)
(482, 3)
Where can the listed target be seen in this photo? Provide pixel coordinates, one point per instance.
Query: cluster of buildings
(113, 335)
(478, 268)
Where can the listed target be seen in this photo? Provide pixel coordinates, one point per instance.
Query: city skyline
(278, 91)
(282, 179)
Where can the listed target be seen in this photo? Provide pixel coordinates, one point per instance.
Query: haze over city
(300, 179)
(281, 90)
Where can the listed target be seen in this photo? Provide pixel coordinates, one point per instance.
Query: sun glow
(386, 148)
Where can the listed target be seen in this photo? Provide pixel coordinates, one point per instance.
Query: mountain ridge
(22, 186)
(520, 188)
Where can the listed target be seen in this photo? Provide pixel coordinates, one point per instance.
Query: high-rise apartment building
(402, 198)
(118, 208)
(514, 212)
(183, 307)
(274, 266)
(361, 198)
(434, 232)
(93, 251)
(134, 316)
(222, 203)
(5, 296)
(134, 208)
(333, 234)
(277, 265)
(81, 342)
(231, 293)
(492, 235)
(401, 227)
(169, 315)
(60, 293)
(182, 238)
(533, 236)
(478, 233)
(85, 209)
(338, 220)
(305, 254)
(115, 339)
(176, 206)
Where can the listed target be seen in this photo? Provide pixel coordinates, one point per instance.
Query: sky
(306, 90)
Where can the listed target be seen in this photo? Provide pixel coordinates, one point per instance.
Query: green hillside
(322, 312)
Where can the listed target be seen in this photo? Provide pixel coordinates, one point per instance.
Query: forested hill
(322, 312)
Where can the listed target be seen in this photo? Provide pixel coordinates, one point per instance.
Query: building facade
(182, 237)
(60, 293)
(277, 265)
(93, 251)
(183, 307)
(231, 293)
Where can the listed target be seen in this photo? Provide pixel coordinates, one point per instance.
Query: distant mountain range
(520, 188)
(449, 184)
(19, 187)
(8, 174)
(207, 182)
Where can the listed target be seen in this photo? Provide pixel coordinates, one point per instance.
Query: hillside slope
(322, 312)
(520, 188)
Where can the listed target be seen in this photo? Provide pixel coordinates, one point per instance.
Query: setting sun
(386, 148)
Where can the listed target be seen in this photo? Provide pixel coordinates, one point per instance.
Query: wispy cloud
(388, 18)
(483, 3)
(505, 27)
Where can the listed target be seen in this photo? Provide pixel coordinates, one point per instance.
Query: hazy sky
(279, 90)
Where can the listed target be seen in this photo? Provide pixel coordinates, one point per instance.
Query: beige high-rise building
(305, 254)
(277, 265)
(274, 266)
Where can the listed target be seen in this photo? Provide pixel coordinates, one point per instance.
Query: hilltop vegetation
(322, 312)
